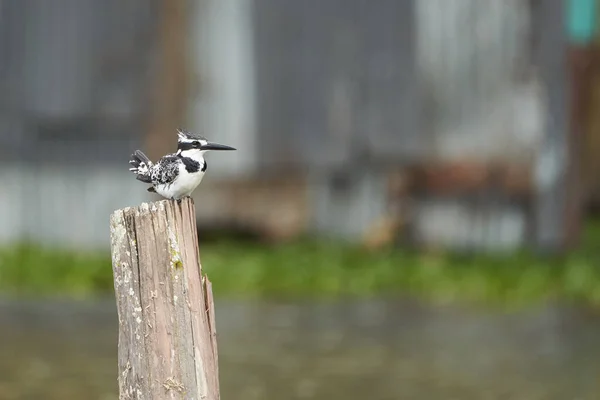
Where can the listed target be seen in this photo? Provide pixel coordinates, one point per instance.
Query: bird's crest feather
(183, 135)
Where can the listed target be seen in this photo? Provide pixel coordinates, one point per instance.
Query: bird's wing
(166, 170)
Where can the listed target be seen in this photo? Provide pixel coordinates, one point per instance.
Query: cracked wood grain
(167, 335)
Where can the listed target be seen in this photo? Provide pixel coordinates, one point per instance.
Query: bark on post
(167, 336)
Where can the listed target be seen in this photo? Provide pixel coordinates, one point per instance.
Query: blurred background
(411, 212)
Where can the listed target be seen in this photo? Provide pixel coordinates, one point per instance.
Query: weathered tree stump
(167, 336)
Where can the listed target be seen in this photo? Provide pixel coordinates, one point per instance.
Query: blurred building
(440, 122)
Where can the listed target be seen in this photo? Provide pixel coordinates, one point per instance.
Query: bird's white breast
(187, 182)
(183, 185)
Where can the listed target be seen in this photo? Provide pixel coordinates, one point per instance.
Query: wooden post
(167, 336)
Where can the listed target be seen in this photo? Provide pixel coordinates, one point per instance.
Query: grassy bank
(330, 269)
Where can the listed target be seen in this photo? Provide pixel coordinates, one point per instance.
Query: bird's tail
(140, 166)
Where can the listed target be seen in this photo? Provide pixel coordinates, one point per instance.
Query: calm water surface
(356, 350)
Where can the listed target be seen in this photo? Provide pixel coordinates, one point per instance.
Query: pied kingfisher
(176, 175)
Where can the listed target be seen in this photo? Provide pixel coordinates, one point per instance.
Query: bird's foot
(179, 200)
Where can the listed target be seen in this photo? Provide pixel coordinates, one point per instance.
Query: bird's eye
(196, 145)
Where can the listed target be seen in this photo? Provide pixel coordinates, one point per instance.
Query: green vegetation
(326, 269)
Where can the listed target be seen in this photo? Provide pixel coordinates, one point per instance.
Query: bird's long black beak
(216, 146)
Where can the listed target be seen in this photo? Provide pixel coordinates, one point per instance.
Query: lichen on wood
(167, 337)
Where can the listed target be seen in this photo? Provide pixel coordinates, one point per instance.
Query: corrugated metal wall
(440, 78)
(336, 80)
(331, 86)
(73, 81)
(419, 81)
(481, 98)
(223, 100)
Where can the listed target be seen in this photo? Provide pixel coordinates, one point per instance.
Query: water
(353, 350)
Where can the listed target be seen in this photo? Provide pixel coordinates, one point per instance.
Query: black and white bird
(176, 175)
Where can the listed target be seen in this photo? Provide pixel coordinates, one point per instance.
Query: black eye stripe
(185, 146)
